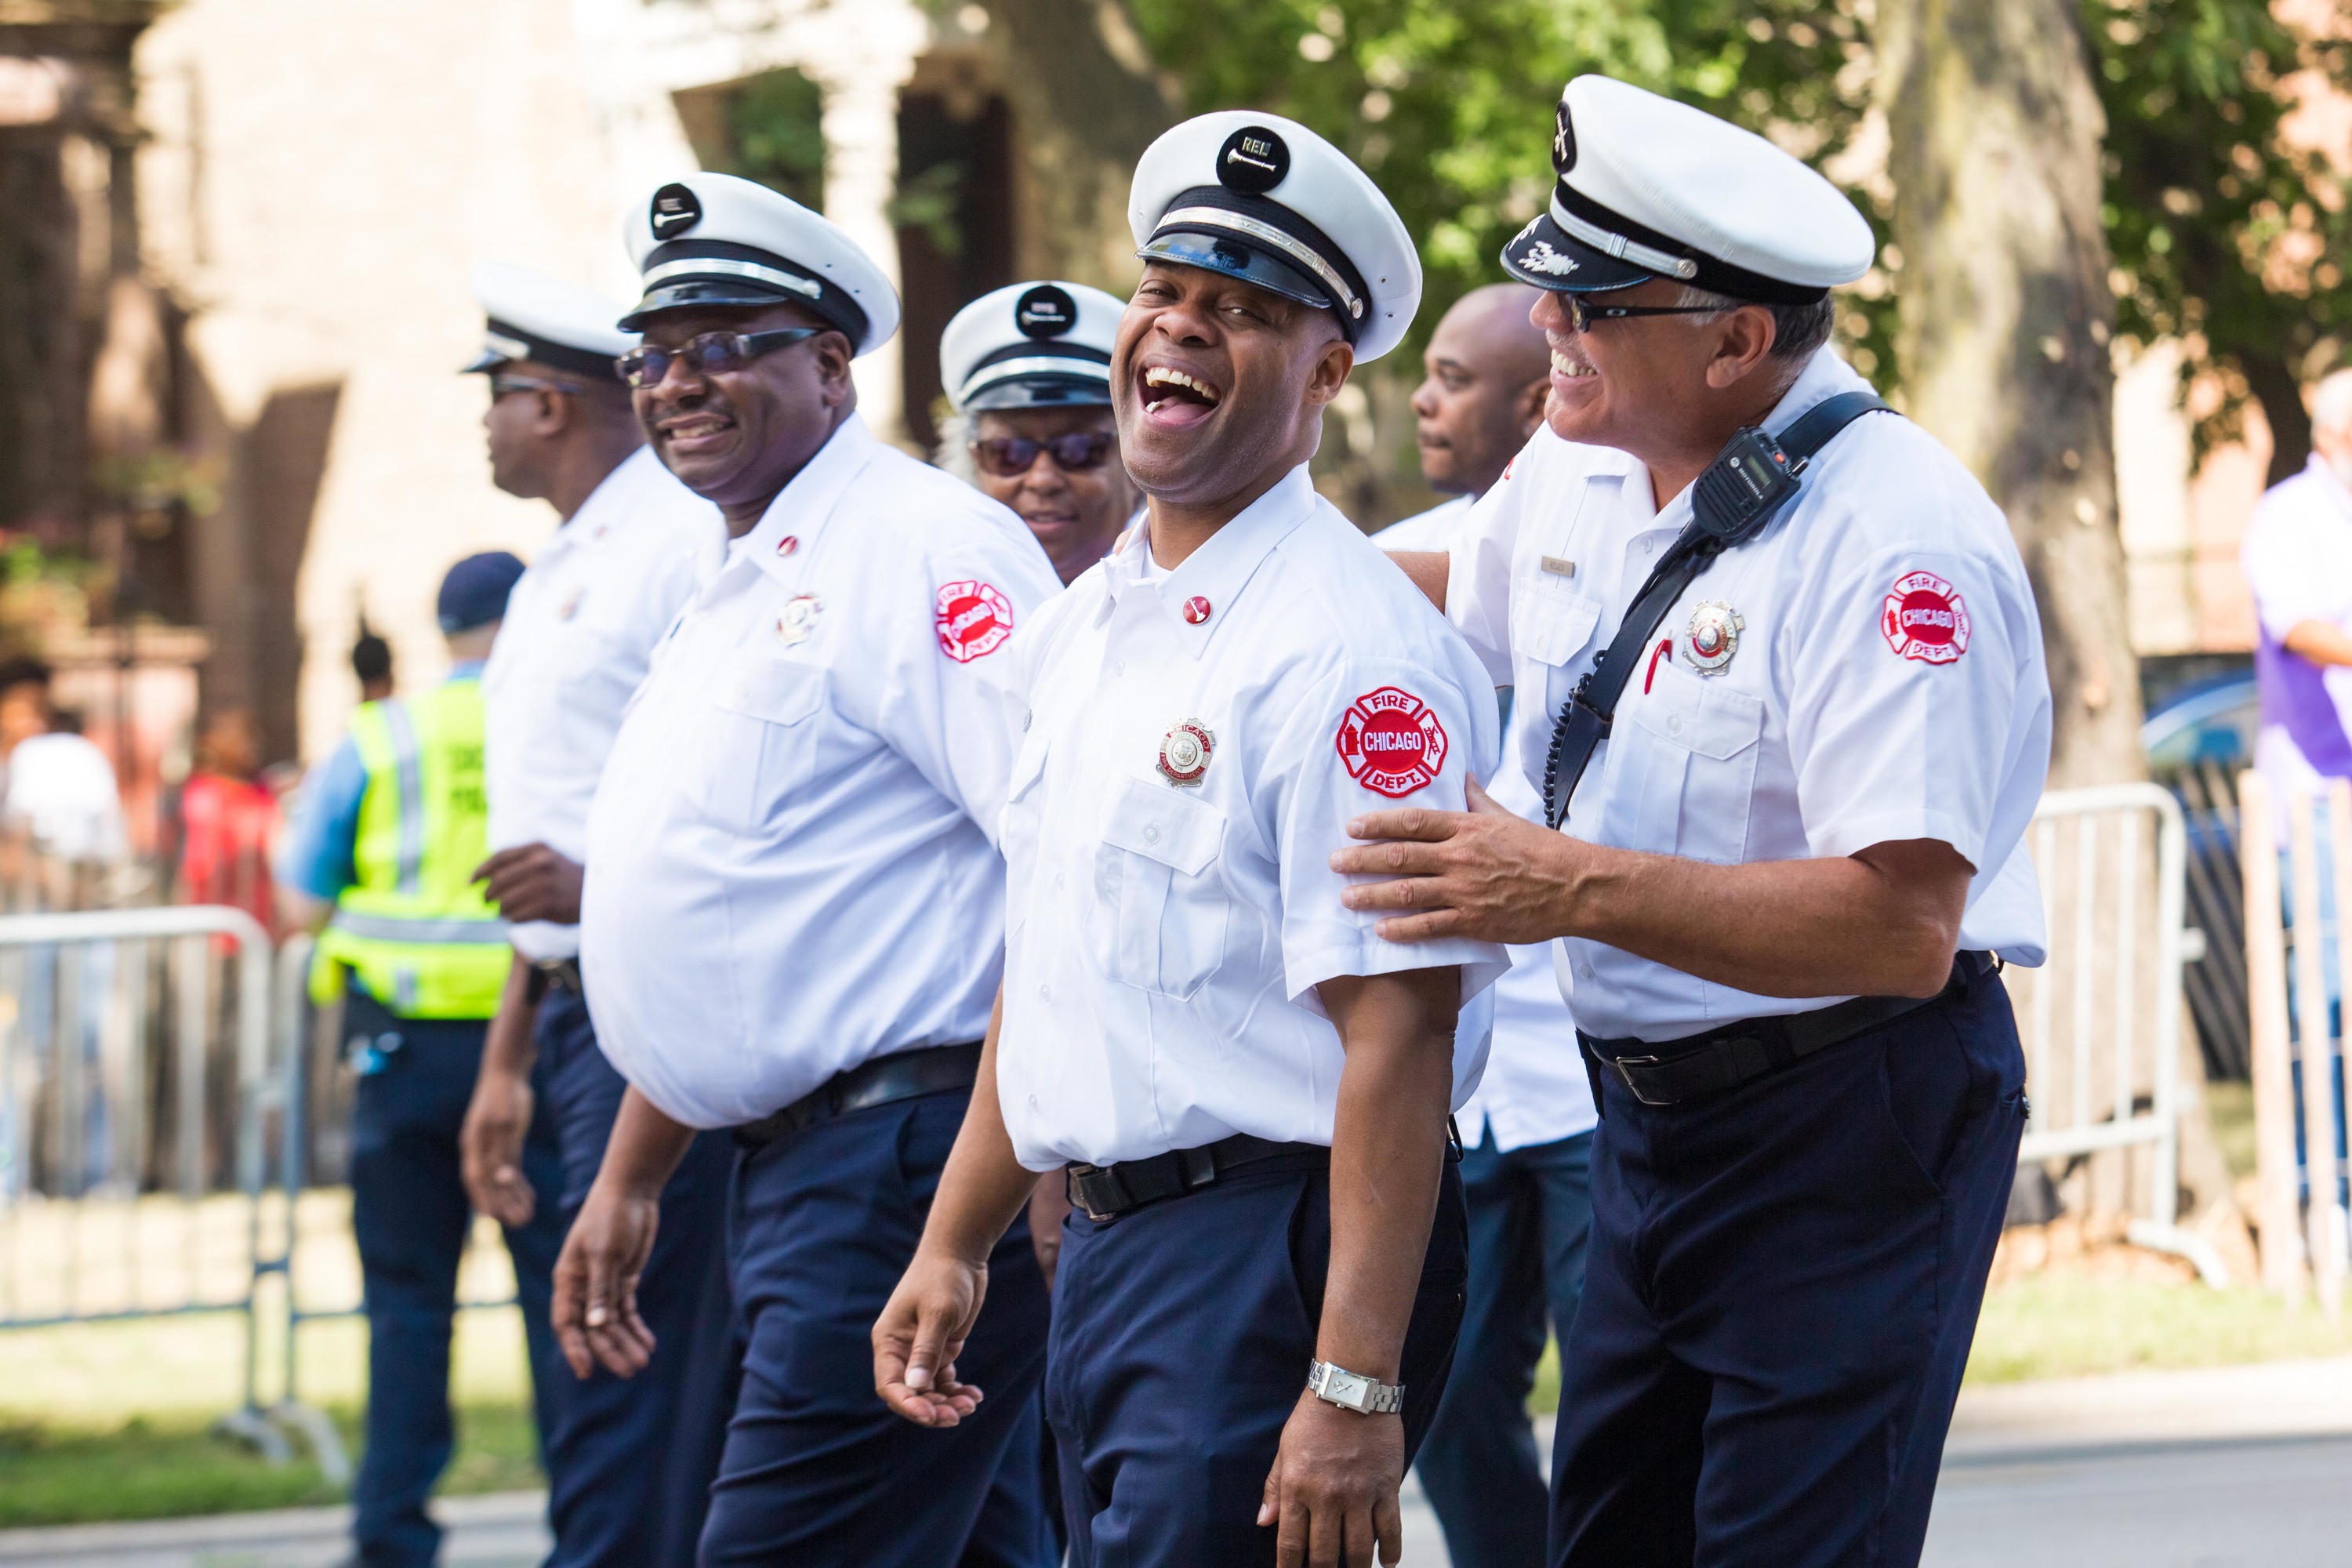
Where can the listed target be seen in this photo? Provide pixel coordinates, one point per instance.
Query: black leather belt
(902, 1075)
(1668, 1072)
(1106, 1192)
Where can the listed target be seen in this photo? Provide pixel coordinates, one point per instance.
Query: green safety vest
(421, 937)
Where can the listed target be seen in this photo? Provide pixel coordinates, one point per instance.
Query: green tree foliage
(2221, 234)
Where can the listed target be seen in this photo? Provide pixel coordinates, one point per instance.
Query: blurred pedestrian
(389, 829)
(1526, 1134)
(61, 789)
(1485, 376)
(228, 819)
(580, 628)
(2297, 557)
(372, 662)
(1028, 373)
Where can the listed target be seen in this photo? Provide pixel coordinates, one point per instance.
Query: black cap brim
(1548, 257)
(1040, 392)
(1231, 257)
(707, 294)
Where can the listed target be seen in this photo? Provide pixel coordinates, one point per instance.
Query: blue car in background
(2202, 716)
(2212, 720)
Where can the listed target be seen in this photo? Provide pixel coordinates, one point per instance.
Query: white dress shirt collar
(1220, 569)
(803, 507)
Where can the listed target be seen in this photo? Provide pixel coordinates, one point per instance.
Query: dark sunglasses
(1580, 315)
(507, 385)
(712, 353)
(1008, 456)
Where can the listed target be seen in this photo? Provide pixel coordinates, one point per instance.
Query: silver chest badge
(1714, 628)
(1184, 752)
(797, 624)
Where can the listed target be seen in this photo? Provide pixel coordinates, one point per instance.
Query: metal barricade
(2101, 1020)
(140, 1088)
(2295, 898)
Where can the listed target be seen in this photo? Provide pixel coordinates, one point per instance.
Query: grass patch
(2230, 1106)
(167, 1467)
(2053, 1326)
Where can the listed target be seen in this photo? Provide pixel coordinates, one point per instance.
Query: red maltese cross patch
(1925, 618)
(973, 619)
(1391, 743)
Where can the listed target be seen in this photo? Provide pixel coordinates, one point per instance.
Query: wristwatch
(1353, 1391)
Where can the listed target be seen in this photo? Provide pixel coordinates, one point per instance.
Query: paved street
(2212, 1469)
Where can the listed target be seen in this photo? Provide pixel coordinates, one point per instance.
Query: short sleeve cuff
(1851, 834)
(1481, 962)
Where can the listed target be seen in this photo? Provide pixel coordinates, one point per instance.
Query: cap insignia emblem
(675, 209)
(1252, 161)
(1714, 628)
(1541, 257)
(1184, 752)
(797, 624)
(1044, 311)
(1563, 139)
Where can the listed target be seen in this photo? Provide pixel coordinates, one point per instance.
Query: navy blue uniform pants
(1783, 1286)
(1182, 1332)
(1530, 1210)
(817, 1471)
(630, 1460)
(410, 1216)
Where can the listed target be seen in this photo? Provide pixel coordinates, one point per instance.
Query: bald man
(1485, 376)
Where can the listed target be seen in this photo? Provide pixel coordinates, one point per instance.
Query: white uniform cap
(1651, 188)
(1266, 200)
(547, 322)
(713, 239)
(1030, 345)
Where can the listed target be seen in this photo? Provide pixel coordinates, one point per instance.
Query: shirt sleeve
(1905, 692)
(957, 695)
(1478, 573)
(315, 856)
(2277, 557)
(1376, 734)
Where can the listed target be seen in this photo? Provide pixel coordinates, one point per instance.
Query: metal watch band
(1353, 1391)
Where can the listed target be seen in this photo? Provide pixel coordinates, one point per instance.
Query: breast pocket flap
(1160, 822)
(1703, 718)
(774, 691)
(1550, 625)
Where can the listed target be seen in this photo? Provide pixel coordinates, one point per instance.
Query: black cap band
(507, 343)
(1712, 274)
(688, 273)
(1294, 243)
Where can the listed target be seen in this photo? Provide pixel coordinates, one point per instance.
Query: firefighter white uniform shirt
(791, 868)
(1867, 669)
(580, 627)
(1198, 740)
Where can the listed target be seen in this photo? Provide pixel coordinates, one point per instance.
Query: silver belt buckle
(1621, 1063)
(1070, 1183)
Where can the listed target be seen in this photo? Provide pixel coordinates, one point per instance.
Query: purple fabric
(2294, 695)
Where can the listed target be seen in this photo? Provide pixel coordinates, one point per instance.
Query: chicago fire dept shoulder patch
(1925, 618)
(972, 618)
(1391, 742)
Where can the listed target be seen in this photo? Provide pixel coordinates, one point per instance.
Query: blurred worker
(2298, 561)
(228, 819)
(1028, 373)
(629, 1461)
(61, 789)
(793, 916)
(1485, 376)
(1815, 661)
(1259, 1292)
(389, 829)
(372, 662)
(1527, 1132)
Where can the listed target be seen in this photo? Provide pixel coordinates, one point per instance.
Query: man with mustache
(579, 629)
(791, 923)
(1028, 373)
(1250, 1088)
(1815, 662)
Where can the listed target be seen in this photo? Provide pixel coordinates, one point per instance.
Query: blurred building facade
(253, 222)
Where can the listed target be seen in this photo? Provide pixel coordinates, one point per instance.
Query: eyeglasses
(1581, 316)
(712, 353)
(507, 385)
(1007, 457)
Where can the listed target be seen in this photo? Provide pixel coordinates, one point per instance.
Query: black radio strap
(1585, 718)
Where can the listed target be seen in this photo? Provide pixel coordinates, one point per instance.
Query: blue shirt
(316, 857)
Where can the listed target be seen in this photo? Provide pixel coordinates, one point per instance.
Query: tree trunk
(2005, 316)
(2280, 391)
(1088, 100)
